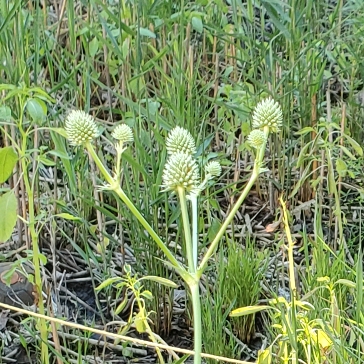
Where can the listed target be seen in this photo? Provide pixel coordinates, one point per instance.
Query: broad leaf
(8, 160)
(8, 216)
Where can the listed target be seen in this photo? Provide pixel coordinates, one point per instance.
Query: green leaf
(305, 305)
(182, 360)
(355, 145)
(37, 109)
(93, 47)
(164, 281)
(8, 216)
(139, 322)
(8, 159)
(248, 310)
(60, 131)
(341, 167)
(346, 282)
(67, 216)
(122, 305)
(265, 356)
(107, 283)
(197, 24)
(306, 130)
(214, 228)
(47, 162)
(146, 32)
(43, 259)
(347, 152)
(59, 154)
(147, 294)
(5, 113)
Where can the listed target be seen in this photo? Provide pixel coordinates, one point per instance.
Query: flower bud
(181, 170)
(80, 127)
(213, 169)
(268, 113)
(256, 138)
(123, 133)
(180, 140)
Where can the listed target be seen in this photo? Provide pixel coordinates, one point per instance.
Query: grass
(204, 66)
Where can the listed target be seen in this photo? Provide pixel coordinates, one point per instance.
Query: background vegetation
(202, 65)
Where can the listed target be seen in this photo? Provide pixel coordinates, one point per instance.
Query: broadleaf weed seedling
(181, 176)
(132, 284)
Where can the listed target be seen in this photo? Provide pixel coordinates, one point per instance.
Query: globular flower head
(213, 169)
(181, 170)
(257, 138)
(80, 127)
(268, 113)
(123, 133)
(180, 140)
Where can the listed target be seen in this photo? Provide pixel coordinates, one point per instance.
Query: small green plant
(297, 336)
(217, 338)
(182, 177)
(134, 285)
(243, 272)
(30, 110)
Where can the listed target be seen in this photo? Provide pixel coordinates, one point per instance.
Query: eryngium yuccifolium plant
(181, 170)
(268, 113)
(80, 127)
(180, 140)
(212, 169)
(257, 138)
(123, 133)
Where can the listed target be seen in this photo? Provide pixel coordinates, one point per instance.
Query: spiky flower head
(181, 170)
(257, 138)
(180, 140)
(80, 127)
(213, 169)
(123, 133)
(268, 113)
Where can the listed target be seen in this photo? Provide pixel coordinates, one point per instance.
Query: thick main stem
(186, 229)
(194, 208)
(197, 325)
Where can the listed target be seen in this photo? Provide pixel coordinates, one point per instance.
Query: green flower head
(181, 170)
(213, 169)
(268, 113)
(257, 138)
(123, 133)
(80, 127)
(180, 140)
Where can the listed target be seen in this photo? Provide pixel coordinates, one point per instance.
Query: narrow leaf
(107, 283)
(248, 310)
(67, 216)
(164, 281)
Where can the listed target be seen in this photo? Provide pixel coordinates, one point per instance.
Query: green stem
(186, 228)
(254, 176)
(194, 205)
(36, 257)
(197, 326)
(292, 279)
(148, 330)
(33, 235)
(118, 190)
